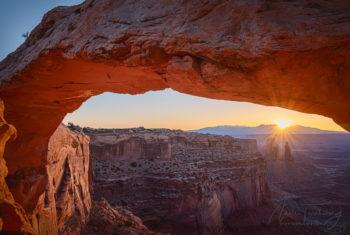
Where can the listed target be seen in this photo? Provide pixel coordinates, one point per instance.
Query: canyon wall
(177, 181)
(64, 206)
(12, 215)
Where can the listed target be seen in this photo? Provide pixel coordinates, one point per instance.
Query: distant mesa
(261, 130)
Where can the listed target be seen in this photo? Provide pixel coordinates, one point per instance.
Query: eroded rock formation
(293, 54)
(287, 153)
(105, 219)
(12, 216)
(63, 207)
(68, 192)
(177, 181)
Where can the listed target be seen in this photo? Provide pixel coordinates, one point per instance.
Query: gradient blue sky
(167, 108)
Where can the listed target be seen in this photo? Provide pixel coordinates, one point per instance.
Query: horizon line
(233, 125)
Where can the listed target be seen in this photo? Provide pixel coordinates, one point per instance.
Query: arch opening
(52, 87)
(110, 162)
(174, 110)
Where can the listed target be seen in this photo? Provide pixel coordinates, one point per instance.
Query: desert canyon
(60, 180)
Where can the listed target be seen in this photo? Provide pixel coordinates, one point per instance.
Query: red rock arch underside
(294, 55)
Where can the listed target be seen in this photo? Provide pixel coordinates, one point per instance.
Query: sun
(282, 124)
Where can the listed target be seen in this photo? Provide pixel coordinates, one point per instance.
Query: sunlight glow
(174, 110)
(282, 124)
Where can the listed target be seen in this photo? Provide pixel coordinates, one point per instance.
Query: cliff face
(12, 215)
(65, 205)
(188, 182)
(129, 148)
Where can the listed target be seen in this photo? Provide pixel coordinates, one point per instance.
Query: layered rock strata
(177, 181)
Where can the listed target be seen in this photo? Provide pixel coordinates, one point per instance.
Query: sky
(21, 16)
(157, 109)
(175, 110)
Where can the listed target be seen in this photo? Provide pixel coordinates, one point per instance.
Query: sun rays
(282, 124)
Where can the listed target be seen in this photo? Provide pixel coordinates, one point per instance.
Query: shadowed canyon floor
(177, 181)
(316, 184)
(181, 182)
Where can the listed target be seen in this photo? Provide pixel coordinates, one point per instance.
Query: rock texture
(63, 207)
(105, 219)
(176, 181)
(292, 54)
(12, 215)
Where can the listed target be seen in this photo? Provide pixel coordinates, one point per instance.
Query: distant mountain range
(261, 130)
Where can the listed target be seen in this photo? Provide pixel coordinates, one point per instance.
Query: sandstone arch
(288, 54)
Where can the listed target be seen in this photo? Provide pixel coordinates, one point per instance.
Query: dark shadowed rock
(105, 219)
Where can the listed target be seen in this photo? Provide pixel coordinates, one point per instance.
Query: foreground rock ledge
(288, 54)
